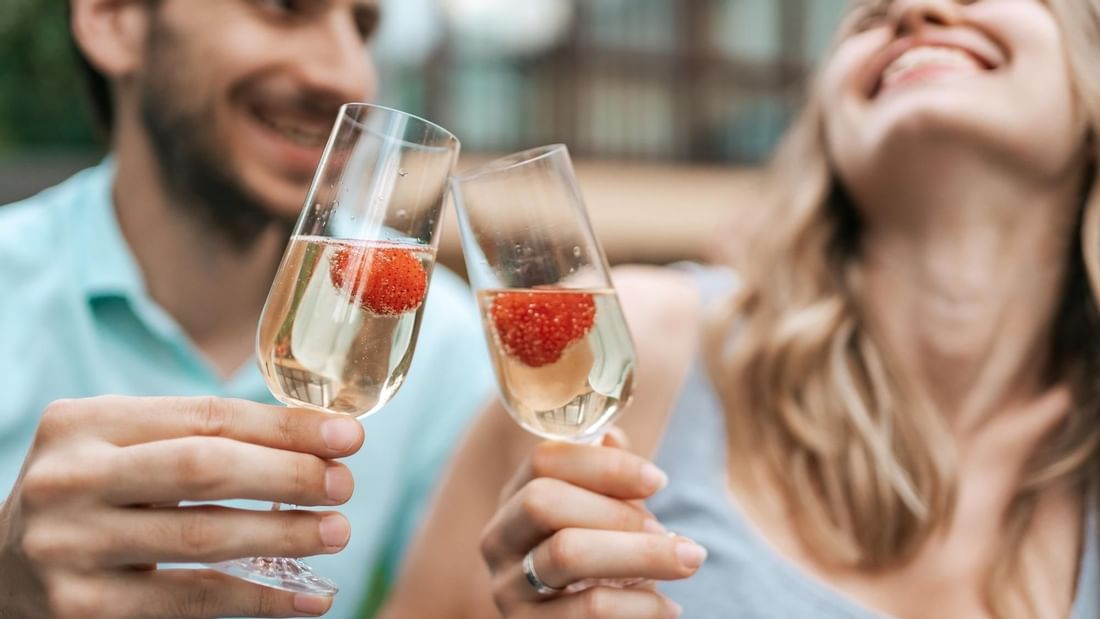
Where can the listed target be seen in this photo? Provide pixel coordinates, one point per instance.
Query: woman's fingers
(579, 508)
(574, 555)
(602, 603)
(547, 505)
(615, 437)
(605, 470)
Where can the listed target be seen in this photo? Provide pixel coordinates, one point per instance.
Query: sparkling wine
(340, 324)
(564, 358)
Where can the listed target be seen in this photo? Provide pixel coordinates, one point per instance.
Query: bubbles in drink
(340, 324)
(563, 358)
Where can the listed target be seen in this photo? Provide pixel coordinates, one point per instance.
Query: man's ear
(111, 34)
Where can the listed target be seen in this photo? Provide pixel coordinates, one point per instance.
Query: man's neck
(212, 288)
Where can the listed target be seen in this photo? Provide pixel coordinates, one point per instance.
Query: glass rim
(345, 107)
(511, 161)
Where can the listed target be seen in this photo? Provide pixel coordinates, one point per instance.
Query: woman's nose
(912, 16)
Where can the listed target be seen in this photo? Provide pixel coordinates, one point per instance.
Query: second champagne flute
(559, 343)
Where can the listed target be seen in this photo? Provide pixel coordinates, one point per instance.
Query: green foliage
(376, 592)
(42, 100)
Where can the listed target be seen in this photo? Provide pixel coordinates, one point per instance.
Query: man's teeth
(920, 57)
(297, 134)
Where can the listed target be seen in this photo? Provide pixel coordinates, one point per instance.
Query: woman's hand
(576, 509)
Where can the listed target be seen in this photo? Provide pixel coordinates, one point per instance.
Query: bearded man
(131, 297)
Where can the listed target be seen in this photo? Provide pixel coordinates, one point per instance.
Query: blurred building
(680, 80)
(666, 105)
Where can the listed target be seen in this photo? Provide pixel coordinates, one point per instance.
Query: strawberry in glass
(563, 358)
(340, 327)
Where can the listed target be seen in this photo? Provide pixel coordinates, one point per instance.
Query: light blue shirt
(76, 321)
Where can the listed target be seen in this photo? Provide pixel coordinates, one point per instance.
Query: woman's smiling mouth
(922, 61)
(913, 59)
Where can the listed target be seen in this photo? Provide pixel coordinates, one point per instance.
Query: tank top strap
(715, 282)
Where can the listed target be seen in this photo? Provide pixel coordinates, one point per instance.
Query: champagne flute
(339, 327)
(559, 343)
(560, 347)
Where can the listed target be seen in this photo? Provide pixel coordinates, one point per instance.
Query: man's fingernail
(651, 525)
(653, 477)
(690, 554)
(311, 604)
(335, 531)
(340, 434)
(338, 483)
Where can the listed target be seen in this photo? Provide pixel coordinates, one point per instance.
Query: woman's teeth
(303, 136)
(928, 56)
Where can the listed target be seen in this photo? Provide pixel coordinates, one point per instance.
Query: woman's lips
(909, 58)
(923, 61)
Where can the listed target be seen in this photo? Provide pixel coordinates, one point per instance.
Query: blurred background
(667, 106)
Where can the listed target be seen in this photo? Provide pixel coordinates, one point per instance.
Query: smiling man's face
(238, 98)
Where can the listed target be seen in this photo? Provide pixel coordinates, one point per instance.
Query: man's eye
(281, 6)
(367, 18)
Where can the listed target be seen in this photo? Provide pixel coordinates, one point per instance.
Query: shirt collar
(109, 267)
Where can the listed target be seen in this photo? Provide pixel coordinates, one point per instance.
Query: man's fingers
(545, 506)
(575, 555)
(129, 421)
(604, 603)
(179, 594)
(210, 469)
(205, 534)
(605, 470)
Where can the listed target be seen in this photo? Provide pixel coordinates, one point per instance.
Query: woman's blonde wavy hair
(867, 471)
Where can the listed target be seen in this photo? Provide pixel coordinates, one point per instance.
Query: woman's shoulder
(670, 299)
(663, 308)
(656, 296)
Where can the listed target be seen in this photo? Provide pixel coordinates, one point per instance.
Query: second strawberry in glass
(563, 356)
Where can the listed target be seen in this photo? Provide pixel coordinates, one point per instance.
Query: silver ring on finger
(533, 578)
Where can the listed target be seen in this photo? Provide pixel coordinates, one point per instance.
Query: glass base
(279, 573)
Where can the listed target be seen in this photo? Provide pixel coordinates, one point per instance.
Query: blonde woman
(891, 410)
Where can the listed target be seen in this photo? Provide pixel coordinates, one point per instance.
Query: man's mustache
(308, 103)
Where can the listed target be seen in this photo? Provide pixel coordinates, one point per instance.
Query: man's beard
(194, 173)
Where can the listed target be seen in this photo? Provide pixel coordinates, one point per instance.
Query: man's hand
(96, 507)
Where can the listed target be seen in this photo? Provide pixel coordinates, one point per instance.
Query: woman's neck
(964, 291)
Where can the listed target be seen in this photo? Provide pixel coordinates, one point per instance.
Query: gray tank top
(743, 577)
